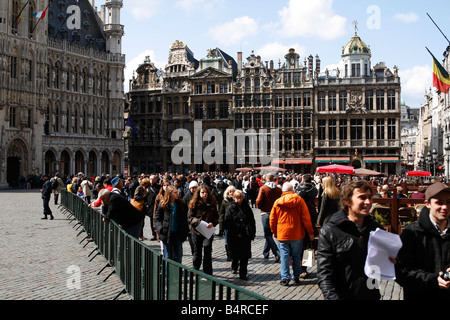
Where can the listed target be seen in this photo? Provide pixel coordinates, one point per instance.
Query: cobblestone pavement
(43, 259)
(48, 259)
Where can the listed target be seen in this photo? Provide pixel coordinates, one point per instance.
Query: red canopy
(336, 168)
(418, 173)
(245, 169)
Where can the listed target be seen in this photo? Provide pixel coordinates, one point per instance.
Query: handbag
(309, 258)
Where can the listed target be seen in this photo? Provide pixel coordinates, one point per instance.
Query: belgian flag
(441, 78)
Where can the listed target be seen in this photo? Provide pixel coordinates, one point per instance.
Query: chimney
(271, 66)
(310, 66)
(239, 62)
(317, 64)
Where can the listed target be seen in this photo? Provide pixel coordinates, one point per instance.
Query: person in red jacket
(289, 219)
(267, 195)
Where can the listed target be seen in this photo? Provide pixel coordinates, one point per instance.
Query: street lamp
(411, 160)
(434, 155)
(429, 160)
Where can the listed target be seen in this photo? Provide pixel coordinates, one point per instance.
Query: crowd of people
(329, 212)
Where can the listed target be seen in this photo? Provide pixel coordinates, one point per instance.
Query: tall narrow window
(321, 129)
(356, 129)
(369, 99)
(332, 130)
(342, 100)
(380, 129)
(321, 101)
(332, 101)
(391, 99)
(391, 129)
(380, 99)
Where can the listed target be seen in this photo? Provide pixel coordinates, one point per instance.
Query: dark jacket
(241, 229)
(122, 211)
(424, 253)
(163, 221)
(153, 191)
(47, 189)
(327, 208)
(239, 220)
(206, 212)
(341, 257)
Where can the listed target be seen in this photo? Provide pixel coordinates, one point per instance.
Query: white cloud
(415, 82)
(276, 50)
(234, 32)
(305, 18)
(142, 9)
(407, 17)
(134, 63)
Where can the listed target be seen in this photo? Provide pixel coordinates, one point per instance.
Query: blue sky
(396, 31)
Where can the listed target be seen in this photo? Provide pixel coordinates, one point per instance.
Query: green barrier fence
(144, 272)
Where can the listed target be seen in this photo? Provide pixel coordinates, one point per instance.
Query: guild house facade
(62, 99)
(350, 115)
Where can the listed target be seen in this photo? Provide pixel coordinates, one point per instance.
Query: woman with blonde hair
(330, 200)
(171, 224)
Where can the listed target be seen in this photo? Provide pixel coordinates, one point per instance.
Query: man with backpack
(56, 184)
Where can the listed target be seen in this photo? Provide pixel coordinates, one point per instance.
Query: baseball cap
(434, 189)
(115, 181)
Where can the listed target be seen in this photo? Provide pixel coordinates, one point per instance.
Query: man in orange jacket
(288, 220)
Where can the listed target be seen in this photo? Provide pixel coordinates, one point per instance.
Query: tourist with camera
(424, 259)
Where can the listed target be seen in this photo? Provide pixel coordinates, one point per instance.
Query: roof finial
(355, 23)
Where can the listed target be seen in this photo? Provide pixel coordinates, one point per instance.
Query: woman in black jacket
(330, 200)
(202, 207)
(171, 224)
(342, 248)
(241, 229)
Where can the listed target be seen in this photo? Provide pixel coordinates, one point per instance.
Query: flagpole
(40, 18)
(20, 13)
(438, 28)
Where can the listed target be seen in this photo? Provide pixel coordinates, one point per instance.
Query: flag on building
(41, 14)
(20, 14)
(131, 125)
(441, 78)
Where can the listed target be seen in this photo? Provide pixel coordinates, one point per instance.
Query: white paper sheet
(382, 245)
(204, 230)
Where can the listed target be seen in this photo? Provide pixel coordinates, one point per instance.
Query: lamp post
(429, 160)
(434, 155)
(411, 160)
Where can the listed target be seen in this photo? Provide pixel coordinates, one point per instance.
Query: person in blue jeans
(267, 195)
(289, 219)
(171, 224)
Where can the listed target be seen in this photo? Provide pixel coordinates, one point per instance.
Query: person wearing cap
(46, 192)
(117, 184)
(425, 254)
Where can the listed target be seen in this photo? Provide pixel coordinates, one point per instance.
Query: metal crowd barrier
(144, 272)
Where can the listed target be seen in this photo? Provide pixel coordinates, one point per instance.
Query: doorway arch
(16, 162)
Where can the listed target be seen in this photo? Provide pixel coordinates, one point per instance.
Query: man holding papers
(425, 255)
(343, 246)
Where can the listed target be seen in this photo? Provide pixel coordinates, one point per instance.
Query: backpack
(54, 184)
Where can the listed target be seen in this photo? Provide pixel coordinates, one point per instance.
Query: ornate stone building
(357, 112)
(347, 116)
(61, 88)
